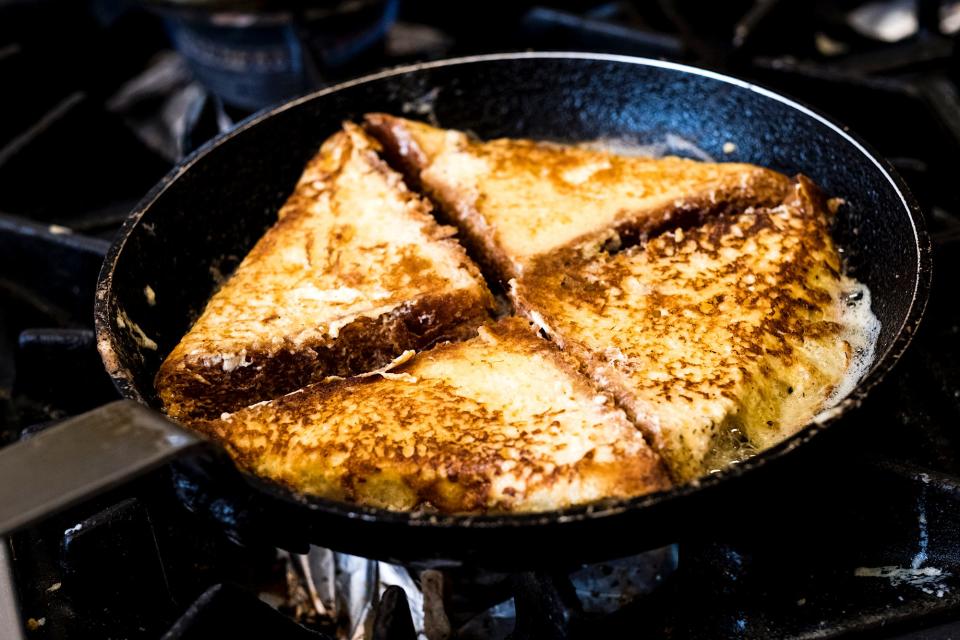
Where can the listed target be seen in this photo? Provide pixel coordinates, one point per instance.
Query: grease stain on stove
(929, 580)
(921, 556)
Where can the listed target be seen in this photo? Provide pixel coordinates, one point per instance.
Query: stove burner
(252, 59)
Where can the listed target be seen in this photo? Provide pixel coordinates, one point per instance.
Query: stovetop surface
(866, 543)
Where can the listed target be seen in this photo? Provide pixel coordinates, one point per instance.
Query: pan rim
(602, 509)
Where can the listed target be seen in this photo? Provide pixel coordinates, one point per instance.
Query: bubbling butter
(860, 328)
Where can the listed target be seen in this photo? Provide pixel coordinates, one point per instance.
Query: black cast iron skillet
(197, 224)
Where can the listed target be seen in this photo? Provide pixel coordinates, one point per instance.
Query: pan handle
(84, 456)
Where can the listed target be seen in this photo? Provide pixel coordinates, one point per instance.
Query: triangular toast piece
(718, 340)
(514, 200)
(499, 423)
(355, 272)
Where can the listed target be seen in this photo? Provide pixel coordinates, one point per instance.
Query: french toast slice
(515, 200)
(718, 340)
(354, 272)
(501, 422)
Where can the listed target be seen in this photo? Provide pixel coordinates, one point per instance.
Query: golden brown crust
(192, 388)
(704, 298)
(354, 272)
(501, 422)
(515, 200)
(718, 339)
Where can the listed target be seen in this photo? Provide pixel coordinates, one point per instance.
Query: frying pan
(197, 224)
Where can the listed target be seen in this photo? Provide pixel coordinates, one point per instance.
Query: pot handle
(84, 456)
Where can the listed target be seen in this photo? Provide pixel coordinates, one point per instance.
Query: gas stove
(108, 96)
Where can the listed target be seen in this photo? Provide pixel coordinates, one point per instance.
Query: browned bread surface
(501, 422)
(705, 298)
(718, 340)
(514, 200)
(354, 272)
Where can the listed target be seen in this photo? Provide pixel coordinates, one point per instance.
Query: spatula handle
(84, 456)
